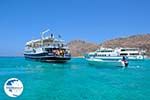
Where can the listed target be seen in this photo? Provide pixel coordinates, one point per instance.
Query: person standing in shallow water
(123, 58)
(125, 61)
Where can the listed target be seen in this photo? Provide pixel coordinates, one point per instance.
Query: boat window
(54, 45)
(129, 49)
(133, 49)
(134, 53)
(101, 55)
(123, 50)
(62, 45)
(106, 51)
(122, 54)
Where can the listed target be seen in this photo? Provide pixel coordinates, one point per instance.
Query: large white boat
(115, 57)
(118, 53)
(107, 56)
(47, 49)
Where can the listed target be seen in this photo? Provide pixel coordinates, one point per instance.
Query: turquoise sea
(76, 80)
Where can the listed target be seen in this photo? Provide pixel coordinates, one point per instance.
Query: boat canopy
(44, 41)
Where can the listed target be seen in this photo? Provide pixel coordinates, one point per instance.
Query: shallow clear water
(76, 80)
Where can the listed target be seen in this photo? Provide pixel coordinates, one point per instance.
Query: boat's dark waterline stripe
(48, 58)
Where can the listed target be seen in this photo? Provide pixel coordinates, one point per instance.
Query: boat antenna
(42, 33)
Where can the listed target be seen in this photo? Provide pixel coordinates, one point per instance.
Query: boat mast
(42, 35)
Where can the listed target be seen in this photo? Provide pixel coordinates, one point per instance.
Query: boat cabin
(129, 51)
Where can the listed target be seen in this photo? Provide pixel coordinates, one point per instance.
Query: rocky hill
(80, 47)
(138, 41)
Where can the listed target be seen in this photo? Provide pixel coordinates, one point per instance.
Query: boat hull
(129, 58)
(59, 59)
(117, 63)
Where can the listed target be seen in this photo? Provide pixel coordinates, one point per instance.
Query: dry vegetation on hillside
(80, 47)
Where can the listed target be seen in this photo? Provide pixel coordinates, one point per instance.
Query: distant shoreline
(78, 57)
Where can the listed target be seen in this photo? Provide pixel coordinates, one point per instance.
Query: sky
(90, 20)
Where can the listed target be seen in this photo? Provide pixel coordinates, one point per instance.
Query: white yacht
(118, 53)
(107, 56)
(48, 49)
(115, 57)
